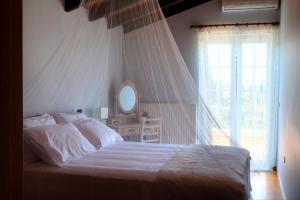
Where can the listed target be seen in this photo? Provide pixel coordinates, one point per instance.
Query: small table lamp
(104, 114)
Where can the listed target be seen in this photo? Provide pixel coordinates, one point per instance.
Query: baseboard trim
(281, 187)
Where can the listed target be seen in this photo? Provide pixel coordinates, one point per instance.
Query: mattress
(126, 170)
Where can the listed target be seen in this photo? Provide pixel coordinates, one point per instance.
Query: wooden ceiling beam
(169, 7)
(94, 3)
(141, 22)
(133, 14)
(114, 9)
(179, 6)
(145, 17)
(128, 8)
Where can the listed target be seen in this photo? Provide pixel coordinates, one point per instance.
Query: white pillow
(64, 118)
(57, 144)
(42, 120)
(98, 133)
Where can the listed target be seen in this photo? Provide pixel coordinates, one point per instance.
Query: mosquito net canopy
(98, 47)
(126, 40)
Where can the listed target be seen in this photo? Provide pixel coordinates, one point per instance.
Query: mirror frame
(131, 84)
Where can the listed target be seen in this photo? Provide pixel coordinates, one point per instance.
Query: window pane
(225, 76)
(254, 54)
(225, 55)
(215, 74)
(218, 90)
(239, 93)
(220, 137)
(219, 55)
(260, 74)
(260, 54)
(213, 55)
(247, 77)
(248, 54)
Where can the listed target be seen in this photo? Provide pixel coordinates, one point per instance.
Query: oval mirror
(127, 97)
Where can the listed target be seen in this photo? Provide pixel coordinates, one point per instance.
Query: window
(238, 79)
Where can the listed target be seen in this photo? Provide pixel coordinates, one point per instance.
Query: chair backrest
(151, 127)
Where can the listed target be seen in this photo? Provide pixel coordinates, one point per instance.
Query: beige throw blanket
(205, 172)
(194, 172)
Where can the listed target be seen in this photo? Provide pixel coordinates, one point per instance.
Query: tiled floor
(266, 186)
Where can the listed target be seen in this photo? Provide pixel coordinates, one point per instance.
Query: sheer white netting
(132, 34)
(148, 55)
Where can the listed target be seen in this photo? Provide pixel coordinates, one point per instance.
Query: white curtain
(238, 79)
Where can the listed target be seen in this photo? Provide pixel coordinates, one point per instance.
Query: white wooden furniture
(151, 130)
(126, 120)
(147, 130)
(128, 127)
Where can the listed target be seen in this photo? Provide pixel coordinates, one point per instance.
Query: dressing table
(126, 120)
(127, 127)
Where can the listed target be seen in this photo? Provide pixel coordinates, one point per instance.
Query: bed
(140, 171)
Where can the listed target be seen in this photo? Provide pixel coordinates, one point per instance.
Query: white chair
(151, 130)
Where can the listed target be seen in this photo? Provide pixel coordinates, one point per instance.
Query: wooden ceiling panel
(133, 13)
(169, 7)
(173, 7)
(127, 12)
(141, 22)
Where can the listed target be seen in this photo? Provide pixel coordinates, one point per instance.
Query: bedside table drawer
(151, 131)
(116, 122)
(128, 131)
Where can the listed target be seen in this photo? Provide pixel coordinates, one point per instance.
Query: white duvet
(126, 160)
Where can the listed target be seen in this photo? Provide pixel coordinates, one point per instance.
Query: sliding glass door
(238, 78)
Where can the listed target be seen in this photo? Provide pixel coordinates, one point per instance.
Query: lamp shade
(104, 113)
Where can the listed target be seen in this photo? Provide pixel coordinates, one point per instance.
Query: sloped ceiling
(169, 8)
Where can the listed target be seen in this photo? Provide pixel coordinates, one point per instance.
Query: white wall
(208, 13)
(69, 62)
(289, 113)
